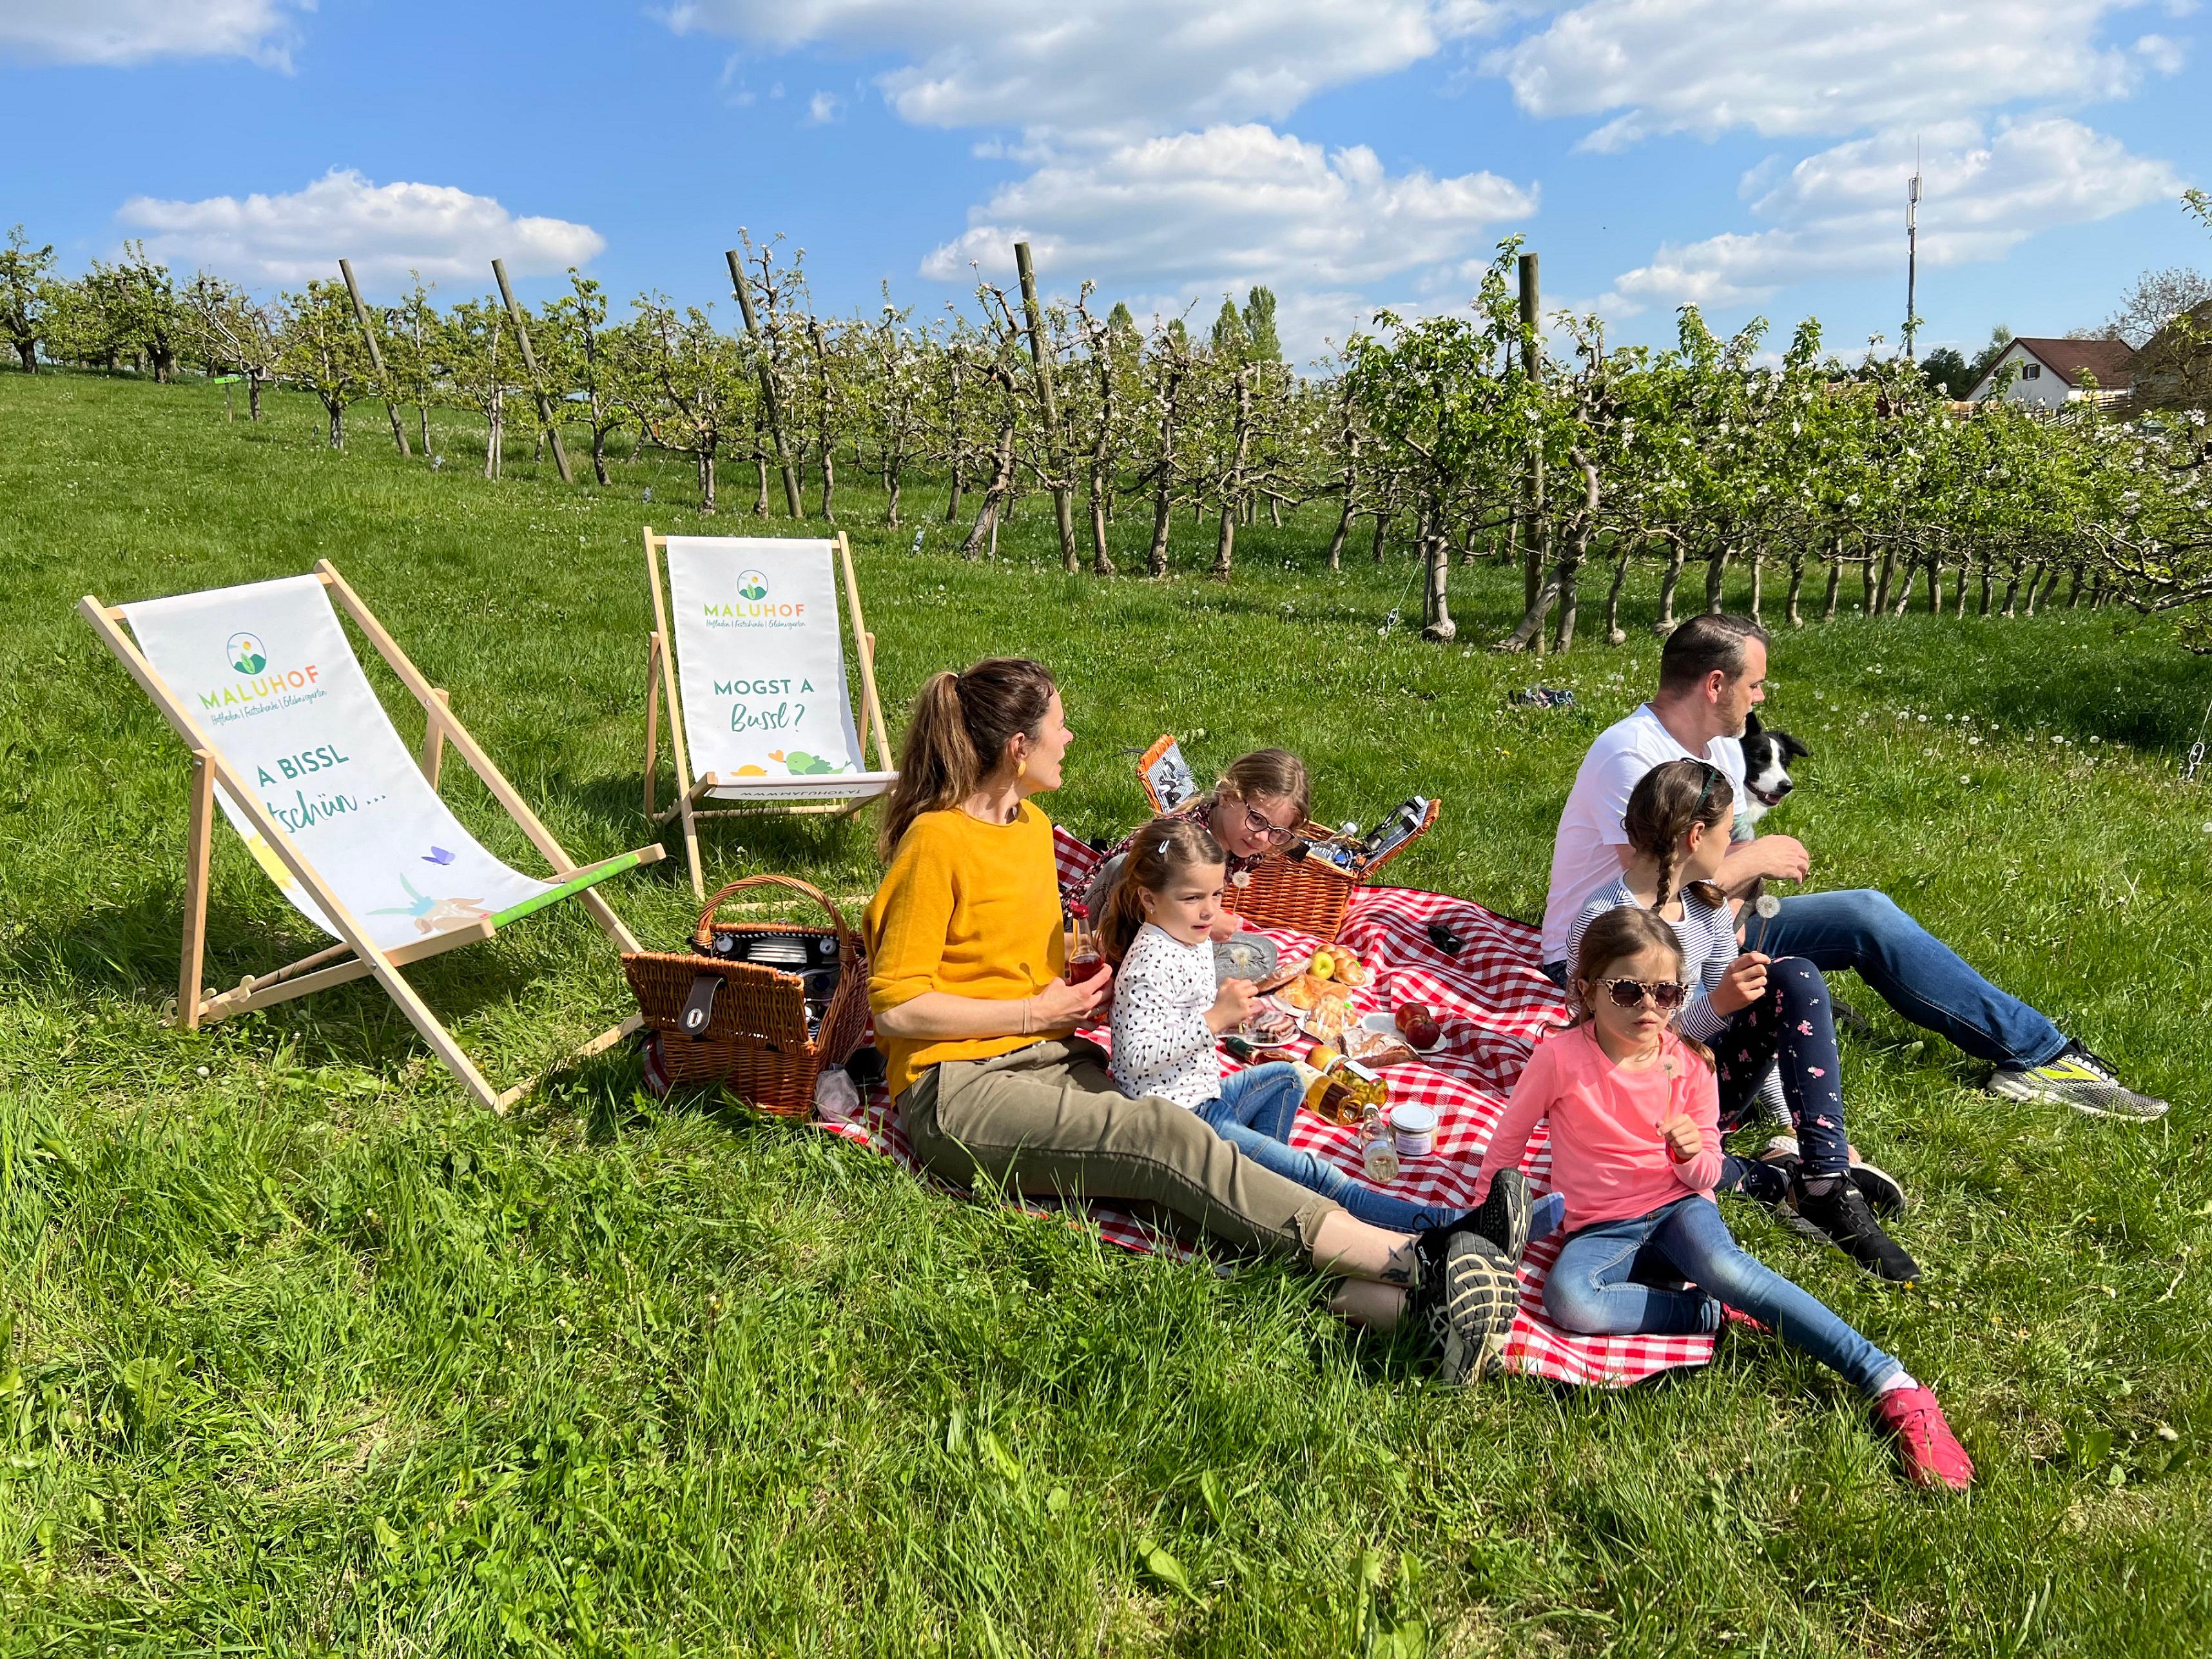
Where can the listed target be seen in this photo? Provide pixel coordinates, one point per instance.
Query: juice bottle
(1084, 961)
(1378, 1153)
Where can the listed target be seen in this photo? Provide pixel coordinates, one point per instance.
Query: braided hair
(1666, 803)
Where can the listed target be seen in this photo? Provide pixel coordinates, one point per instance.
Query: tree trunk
(1959, 590)
(421, 425)
(1382, 526)
(985, 530)
(952, 500)
(1614, 633)
(493, 413)
(2012, 588)
(1434, 548)
(1757, 584)
(1989, 576)
(1224, 546)
(1334, 557)
(27, 354)
(1790, 610)
(599, 463)
(707, 482)
(1835, 586)
(897, 483)
(1274, 513)
(1156, 561)
(337, 423)
(1935, 583)
(1883, 583)
(253, 399)
(1866, 584)
(1677, 556)
(1717, 578)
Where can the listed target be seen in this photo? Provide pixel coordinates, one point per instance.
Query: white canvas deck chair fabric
(288, 735)
(759, 715)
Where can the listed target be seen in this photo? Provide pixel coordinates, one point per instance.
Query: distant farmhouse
(2174, 368)
(2055, 373)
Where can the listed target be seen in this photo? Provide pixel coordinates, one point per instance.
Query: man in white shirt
(1712, 675)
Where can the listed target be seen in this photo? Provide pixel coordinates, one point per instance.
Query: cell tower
(1911, 250)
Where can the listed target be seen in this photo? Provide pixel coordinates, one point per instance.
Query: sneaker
(1883, 1191)
(1743, 1320)
(1840, 1215)
(1503, 1217)
(1465, 1299)
(2078, 1079)
(1931, 1453)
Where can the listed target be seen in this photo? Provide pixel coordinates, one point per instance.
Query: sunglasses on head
(1666, 995)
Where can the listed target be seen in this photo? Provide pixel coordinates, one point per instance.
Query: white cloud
(1103, 67)
(386, 230)
(1237, 203)
(1189, 216)
(1815, 66)
(1841, 213)
(123, 32)
(823, 108)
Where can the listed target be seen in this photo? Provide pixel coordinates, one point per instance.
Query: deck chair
(286, 733)
(754, 675)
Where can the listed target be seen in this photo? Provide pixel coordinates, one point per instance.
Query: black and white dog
(1766, 757)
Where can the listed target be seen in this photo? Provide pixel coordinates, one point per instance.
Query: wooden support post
(769, 398)
(199, 837)
(548, 423)
(652, 715)
(1040, 355)
(375, 358)
(434, 740)
(871, 702)
(1532, 365)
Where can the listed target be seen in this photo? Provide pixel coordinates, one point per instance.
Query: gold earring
(1021, 766)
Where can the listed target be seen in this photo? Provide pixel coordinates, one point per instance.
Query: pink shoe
(1737, 1316)
(1931, 1453)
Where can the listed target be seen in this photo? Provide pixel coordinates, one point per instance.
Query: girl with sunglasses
(1255, 812)
(1634, 1112)
(1765, 1019)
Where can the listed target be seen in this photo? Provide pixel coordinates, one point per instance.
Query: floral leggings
(1793, 1027)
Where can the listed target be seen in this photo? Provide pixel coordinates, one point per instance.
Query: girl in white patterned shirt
(1156, 928)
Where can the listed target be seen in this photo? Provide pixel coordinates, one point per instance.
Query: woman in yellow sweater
(995, 1089)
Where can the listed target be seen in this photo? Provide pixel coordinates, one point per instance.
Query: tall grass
(307, 1356)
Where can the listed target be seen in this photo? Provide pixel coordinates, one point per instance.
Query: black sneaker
(1884, 1192)
(1840, 1215)
(1465, 1299)
(2078, 1079)
(1503, 1217)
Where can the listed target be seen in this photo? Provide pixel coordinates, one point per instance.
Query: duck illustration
(435, 915)
(800, 764)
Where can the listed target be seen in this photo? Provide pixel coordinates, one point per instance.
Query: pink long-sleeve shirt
(1609, 1161)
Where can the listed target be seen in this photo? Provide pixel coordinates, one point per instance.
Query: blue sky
(1750, 158)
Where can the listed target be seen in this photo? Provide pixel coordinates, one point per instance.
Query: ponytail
(957, 733)
(1158, 852)
(1664, 806)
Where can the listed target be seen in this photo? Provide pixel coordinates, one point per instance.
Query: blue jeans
(1610, 1281)
(1911, 970)
(1255, 1112)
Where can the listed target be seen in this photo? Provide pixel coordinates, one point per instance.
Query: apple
(1322, 965)
(1425, 1034)
(1411, 1014)
(1321, 1056)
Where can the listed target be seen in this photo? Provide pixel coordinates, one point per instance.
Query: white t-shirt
(1584, 861)
(1162, 1044)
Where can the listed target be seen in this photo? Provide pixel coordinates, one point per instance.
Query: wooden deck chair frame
(356, 957)
(660, 684)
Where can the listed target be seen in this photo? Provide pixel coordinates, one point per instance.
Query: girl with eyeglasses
(1256, 810)
(1769, 1024)
(1634, 1112)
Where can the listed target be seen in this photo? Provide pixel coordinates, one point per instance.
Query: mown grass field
(305, 1355)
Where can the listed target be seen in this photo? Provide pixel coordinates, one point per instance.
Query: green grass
(309, 1356)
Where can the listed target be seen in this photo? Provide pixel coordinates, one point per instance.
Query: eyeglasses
(1273, 834)
(1666, 995)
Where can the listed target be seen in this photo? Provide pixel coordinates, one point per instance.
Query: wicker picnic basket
(755, 1042)
(1308, 895)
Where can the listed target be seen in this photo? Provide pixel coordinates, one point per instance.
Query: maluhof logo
(757, 608)
(247, 654)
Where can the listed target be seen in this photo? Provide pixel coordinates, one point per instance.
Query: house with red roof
(2052, 374)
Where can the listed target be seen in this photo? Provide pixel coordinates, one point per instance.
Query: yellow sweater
(968, 907)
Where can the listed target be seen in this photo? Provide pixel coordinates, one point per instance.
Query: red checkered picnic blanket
(1494, 1003)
